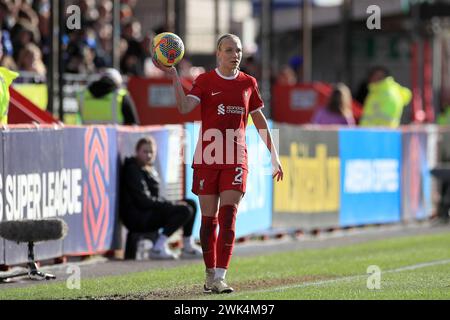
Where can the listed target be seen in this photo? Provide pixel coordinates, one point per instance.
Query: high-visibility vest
(444, 118)
(384, 104)
(101, 110)
(6, 78)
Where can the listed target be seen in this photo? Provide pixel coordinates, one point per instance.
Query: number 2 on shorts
(238, 176)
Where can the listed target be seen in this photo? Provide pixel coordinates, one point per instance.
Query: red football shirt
(226, 103)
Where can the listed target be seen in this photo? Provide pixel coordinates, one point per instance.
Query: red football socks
(208, 240)
(225, 241)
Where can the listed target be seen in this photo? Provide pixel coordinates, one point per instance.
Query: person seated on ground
(338, 110)
(143, 210)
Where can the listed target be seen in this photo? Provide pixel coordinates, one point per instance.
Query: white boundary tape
(318, 283)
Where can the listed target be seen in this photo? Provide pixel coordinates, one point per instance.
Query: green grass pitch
(415, 267)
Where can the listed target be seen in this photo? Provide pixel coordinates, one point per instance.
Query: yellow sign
(36, 93)
(311, 184)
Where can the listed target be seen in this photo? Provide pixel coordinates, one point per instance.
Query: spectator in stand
(104, 8)
(95, 57)
(6, 26)
(15, 7)
(251, 67)
(133, 60)
(338, 110)
(81, 54)
(146, 45)
(104, 47)
(5, 15)
(72, 51)
(30, 60)
(27, 13)
(104, 32)
(89, 12)
(286, 76)
(6, 59)
(130, 3)
(44, 29)
(126, 13)
(22, 34)
(91, 63)
(296, 63)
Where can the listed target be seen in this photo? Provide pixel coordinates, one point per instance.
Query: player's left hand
(277, 170)
(171, 71)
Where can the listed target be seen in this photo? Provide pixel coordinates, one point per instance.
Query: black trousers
(170, 219)
(444, 202)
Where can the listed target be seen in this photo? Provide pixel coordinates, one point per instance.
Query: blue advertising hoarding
(371, 163)
(416, 178)
(32, 185)
(255, 209)
(75, 179)
(90, 155)
(73, 138)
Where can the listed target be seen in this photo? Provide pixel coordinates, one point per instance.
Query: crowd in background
(25, 35)
(26, 38)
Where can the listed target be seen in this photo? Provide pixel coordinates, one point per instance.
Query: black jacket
(105, 86)
(139, 191)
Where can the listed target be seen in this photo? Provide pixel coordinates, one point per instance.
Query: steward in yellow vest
(6, 78)
(384, 103)
(105, 101)
(443, 118)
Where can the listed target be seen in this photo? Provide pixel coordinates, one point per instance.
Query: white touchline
(318, 283)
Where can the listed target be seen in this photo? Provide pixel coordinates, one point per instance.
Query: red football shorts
(214, 181)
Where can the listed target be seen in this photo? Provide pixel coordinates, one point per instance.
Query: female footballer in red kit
(227, 97)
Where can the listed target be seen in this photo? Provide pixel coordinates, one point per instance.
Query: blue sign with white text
(371, 163)
(31, 184)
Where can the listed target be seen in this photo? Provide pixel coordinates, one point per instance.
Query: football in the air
(167, 48)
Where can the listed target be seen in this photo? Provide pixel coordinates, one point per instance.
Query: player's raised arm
(185, 103)
(263, 129)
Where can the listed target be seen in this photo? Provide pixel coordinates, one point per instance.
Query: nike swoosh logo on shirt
(214, 93)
